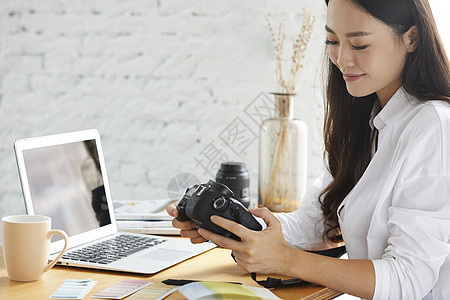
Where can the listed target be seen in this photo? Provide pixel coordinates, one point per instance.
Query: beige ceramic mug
(26, 246)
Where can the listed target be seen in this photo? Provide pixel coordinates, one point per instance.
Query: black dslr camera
(202, 201)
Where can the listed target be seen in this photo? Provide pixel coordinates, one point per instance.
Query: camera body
(202, 201)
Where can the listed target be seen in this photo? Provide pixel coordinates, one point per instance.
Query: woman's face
(366, 51)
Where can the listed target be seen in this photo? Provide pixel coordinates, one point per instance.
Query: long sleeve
(418, 240)
(303, 228)
(418, 218)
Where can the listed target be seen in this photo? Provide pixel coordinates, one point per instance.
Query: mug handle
(66, 243)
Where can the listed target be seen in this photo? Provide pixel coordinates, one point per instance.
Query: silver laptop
(64, 177)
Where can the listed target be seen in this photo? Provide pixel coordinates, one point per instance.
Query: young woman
(386, 192)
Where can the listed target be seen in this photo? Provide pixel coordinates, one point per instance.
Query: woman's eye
(358, 47)
(330, 43)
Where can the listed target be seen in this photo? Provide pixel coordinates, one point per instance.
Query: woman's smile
(352, 77)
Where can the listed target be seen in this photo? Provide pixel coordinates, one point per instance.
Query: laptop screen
(65, 183)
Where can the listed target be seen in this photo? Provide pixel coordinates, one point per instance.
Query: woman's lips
(352, 77)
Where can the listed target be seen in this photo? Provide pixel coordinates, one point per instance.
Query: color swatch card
(204, 290)
(122, 289)
(73, 289)
(155, 291)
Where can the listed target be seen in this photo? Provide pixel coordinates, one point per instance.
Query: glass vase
(282, 158)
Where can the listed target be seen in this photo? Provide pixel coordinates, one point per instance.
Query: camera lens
(235, 176)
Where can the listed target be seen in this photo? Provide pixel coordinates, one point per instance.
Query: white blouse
(398, 214)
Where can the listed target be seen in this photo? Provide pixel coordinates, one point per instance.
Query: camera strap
(270, 282)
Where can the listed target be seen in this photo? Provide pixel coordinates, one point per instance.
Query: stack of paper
(144, 216)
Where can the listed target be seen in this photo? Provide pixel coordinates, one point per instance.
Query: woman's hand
(258, 251)
(188, 229)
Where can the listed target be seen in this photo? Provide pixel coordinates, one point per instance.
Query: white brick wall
(160, 80)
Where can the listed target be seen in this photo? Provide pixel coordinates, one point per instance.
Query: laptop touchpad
(166, 254)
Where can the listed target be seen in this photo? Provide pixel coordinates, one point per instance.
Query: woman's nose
(345, 58)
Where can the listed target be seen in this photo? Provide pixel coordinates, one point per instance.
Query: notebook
(64, 177)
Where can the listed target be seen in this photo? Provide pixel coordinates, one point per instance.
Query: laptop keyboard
(113, 249)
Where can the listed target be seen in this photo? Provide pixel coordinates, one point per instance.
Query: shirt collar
(391, 110)
(375, 110)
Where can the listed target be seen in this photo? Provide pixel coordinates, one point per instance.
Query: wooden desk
(214, 265)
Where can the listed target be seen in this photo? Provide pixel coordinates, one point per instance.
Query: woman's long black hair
(347, 134)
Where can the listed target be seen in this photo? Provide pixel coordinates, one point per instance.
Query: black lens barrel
(235, 176)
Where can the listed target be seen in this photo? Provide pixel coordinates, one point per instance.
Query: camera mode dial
(220, 204)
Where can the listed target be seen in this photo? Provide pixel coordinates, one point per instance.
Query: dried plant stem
(279, 195)
(278, 41)
(283, 102)
(299, 46)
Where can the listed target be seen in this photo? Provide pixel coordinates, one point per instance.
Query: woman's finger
(236, 228)
(220, 240)
(268, 217)
(198, 240)
(191, 233)
(172, 210)
(185, 225)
